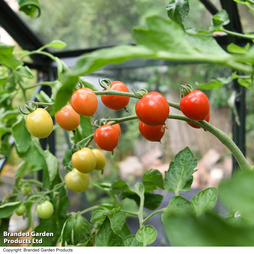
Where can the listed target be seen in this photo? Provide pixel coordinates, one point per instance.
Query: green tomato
(77, 181)
(21, 210)
(45, 210)
(26, 188)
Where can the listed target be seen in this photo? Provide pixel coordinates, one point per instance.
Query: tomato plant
(76, 181)
(26, 188)
(67, 118)
(152, 133)
(116, 102)
(152, 109)
(84, 101)
(195, 105)
(21, 210)
(106, 137)
(100, 159)
(39, 123)
(84, 160)
(45, 210)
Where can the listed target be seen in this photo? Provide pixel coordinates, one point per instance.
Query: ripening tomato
(106, 137)
(84, 160)
(45, 210)
(100, 159)
(20, 210)
(39, 123)
(196, 126)
(84, 101)
(152, 133)
(67, 118)
(195, 105)
(152, 109)
(117, 127)
(116, 102)
(76, 181)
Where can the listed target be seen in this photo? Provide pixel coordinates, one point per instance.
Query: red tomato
(151, 133)
(106, 137)
(195, 105)
(152, 109)
(67, 118)
(117, 127)
(116, 102)
(196, 126)
(84, 101)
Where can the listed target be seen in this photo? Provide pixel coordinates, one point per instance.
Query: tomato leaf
(220, 19)
(177, 205)
(119, 186)
(106, 236)
(52, 165)
(21, 135)
(152, 179)
(131, 241)
(237, 194)
(233, 48)
(7, 209)
(208, 230)
(178, 10)
(146, 235)
(117, 221)
(179, 175)
(54, 44)
(22, 169)
(215, 83)
(7, 58)
(24, 71)
(204, 201)
(30, 7)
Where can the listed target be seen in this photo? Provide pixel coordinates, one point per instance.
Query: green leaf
(162, 34)
(245, 82)
(204, 201)
(117, 221)
(22, 169)
(52, 165)
(119, 186)
(215, 83)
(106, 236)
(178, 10)
(237, 194)
(177, 205)
(24, 71)
(84, 129)
(152, 179)
(131, 241)
(8, 209)
(179, 175)
(125, 231)
(220, 19)
(208, 230)
(67, 232)
(233, 48)
(152, 201)
(51, 227)
(54, 44)
(30, 7)
(146, 235)
(21, 135)
(98, 215)
(7, 58)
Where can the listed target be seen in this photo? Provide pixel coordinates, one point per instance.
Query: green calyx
(185, 89)
(30, 107)
(140, 93)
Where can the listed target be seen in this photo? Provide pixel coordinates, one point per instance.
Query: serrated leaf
(98, 215)
(106, 237)
(117, 221)
(220, 19)
(21, 135)
(22, 169)
(152, 179)
(204, 201)
(179, 175)
(52, 165)
(8, 209)
(24, 71)
(131, 241)
(146, 235)
(233, 48)
(119, 186)
(7, 58)
(178, 10)
(177, 205)
(67, 232)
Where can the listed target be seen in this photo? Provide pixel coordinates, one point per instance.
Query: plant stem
(23, 91)
(224, 139)
(152, 214)
(251, 37)
(113, 92)
(140, 212)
